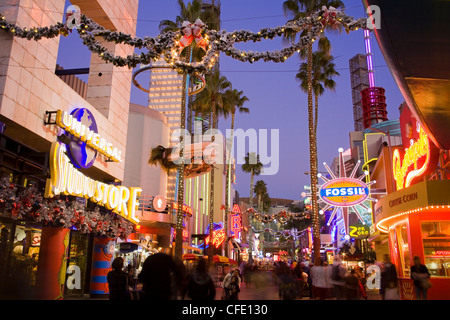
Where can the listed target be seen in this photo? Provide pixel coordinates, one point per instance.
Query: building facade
(55, 245)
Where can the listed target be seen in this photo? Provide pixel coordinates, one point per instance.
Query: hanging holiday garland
(282, 233)
(282, 216)
(29, 204)
(170, 43)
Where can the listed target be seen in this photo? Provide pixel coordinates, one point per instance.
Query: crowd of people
(163, 278)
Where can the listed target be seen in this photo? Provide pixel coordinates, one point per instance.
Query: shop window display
(436, 246)
(78, 255)
(19, 254)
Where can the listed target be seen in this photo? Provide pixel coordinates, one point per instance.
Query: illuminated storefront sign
(218, 238)
(81, 124)
(236, 209)
(344, 192)
(359, 231)
(218, 235)
(159, 203)
(66, 179)
(236, 225)
(415, 161)
(418, 156)
(186, 209)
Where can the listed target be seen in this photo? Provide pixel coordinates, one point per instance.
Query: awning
(219, 259)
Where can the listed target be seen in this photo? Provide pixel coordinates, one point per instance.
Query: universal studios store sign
(80, 151)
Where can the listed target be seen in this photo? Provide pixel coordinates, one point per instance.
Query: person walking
(287, 287)
(352, 286)
(229, 284)
(389, 280)
(200, 285)
(301, 278)
(159, 275)
(338, 274)
(420, 275)
(328, 271)
(118, 281)
(318, 278)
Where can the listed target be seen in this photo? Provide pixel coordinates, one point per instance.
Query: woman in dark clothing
(352, 286)
(420, 275)
(118, 281)
(200, 284)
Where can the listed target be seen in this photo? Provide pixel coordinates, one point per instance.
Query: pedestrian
(118, 281)
(352, 286)
(319, 284)
(362, 282)
(420, 275)
(301, 278)
(200, 285)
(338, 274)
(130, 274)
(389, 280)
(287, 288)
(328, 281)
(234, 287)
(227, 282)
(159, 275)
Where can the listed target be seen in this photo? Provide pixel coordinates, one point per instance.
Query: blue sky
(276, 102)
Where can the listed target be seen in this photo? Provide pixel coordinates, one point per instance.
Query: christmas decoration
(170, 43)
(19, 203)
(281, 216)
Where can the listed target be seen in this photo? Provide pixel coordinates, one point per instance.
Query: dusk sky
(276, 102)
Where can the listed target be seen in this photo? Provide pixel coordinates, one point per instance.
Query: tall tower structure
(165, 95)
(359, 77)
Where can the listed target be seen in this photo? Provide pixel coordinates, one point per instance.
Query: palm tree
(260, 191)
(160, 155)
(233, 100)
(323, 71)
(298, 9)
(253, 166)
(209, 100)
(189, 12)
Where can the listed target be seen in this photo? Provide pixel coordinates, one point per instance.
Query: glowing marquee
(218, 235)
(415, 162)
(66, 179)
(344, 192)
(348, 193)
(236, 225)
(69, 123)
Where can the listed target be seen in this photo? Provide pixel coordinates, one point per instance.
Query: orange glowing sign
(415, 162)
(186, 209)
(218, 237)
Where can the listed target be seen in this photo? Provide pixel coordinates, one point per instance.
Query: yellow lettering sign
(66, 179)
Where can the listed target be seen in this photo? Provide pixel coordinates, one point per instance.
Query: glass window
(436, 246)
(403, 250)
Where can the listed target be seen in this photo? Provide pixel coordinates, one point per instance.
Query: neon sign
(186, 209)
(87, 132)
(344, 192)
(218, 238)
(417, 155)
(66, 179)
(236, 225)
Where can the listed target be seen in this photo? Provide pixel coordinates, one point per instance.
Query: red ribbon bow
(329, 17)
(191, 32)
